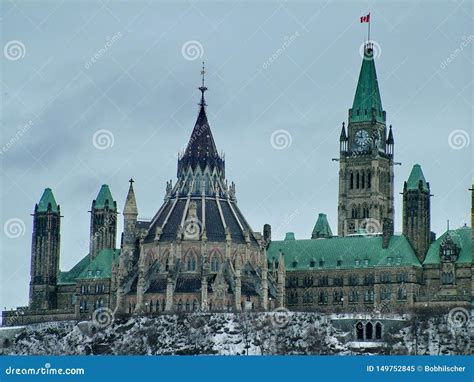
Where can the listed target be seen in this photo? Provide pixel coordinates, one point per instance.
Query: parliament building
(199, 253)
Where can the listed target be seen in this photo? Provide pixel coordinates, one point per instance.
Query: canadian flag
(365, 19)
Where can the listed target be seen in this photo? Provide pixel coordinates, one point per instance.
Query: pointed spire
(416, 178)
(343, 135)
(47, 201)
(104, 198)
(367, 105)
(321, 228)
(201, 149)
(390, 140)
(130, 203)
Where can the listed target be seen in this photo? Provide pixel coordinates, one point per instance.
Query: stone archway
(360, 331)
(369, 328)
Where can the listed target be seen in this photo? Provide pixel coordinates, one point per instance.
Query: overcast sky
(95, 92)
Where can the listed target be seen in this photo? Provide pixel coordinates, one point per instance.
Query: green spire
(47, 199)
(416, 176)
(105, 198)
(367, 104)
(321, 228)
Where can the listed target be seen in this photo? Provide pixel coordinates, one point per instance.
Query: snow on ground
(235, 334)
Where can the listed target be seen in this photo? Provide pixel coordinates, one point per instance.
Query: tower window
(369, 179)
(357, 180)
(352, 181)
(358, 112)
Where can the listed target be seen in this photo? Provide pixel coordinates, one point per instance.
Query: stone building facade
(199, 253)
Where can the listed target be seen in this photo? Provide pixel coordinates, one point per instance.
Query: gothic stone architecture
(199, 252)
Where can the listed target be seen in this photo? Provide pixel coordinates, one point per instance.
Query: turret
(103, 222)
(45, 250)
(130, 215)
(417, 212)
(321, 229)
(343, 139)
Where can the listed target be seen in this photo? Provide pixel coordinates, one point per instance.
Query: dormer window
(321, 263)
(312, 263)
(448, 249)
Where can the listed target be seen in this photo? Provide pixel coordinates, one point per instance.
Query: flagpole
(368, 34)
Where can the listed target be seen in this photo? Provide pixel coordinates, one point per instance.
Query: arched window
(354, 212)
(188, 305)
(195, 305)
(369, 179)
(378, 331)
(353, 296)
(447, 278)
(401, 293)
(167, 264)
(360, 331)
(368, 331)
(365, 211)
(151, 306)
(357, 180)
(180, 305)
(307, 297)
(215, 263)
(363, 179)
(163, 305)
(191, 263)
(352, 181)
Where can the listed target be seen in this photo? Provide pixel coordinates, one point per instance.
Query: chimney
(387, 232)
(267, 233)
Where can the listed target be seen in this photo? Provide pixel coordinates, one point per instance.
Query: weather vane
(203, 87)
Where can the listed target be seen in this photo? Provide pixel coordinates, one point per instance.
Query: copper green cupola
(367, 105)
(321, 229)
(47, 201)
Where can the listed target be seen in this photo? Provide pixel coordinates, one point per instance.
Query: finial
(448, 225)
(203, 88)
(343, 124)
(131, 181)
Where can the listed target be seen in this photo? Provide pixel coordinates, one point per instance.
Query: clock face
(362, 138)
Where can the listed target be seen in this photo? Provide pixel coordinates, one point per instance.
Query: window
(307, 297)
(294, 264)
(369, 179)
(368, 331)
(338, 281)
(357, 180)
(378, 331)
(385, 277)
(293, 297)
(369, 279)
(188, 305)
(321, 263)
(385, 293)
(323, 281)
(97, 272)
(369, 296)
(447, 278)
(354, 212)
(338, 297)
(180, 305)
(352, 181)
(357, 263)
(215, 264)
(308, 281)
(353, 280)
(195, 305)
(401, 294)
(312, 263)
(366, 262)
(191, 263)
(353, 296)
(339, 263)
(402, 277)
(323, 297)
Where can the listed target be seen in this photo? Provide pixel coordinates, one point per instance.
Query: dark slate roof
(188, 283)
(201, 149)
(141, 224)
(213, 222)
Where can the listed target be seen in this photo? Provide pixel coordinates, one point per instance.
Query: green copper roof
(70, 276)
(46, 199)
(104, 197)
(101, 266)
(343, 253)
(367, 97)
(290, 236)
(321, 228)
(462, 237)
(415, 177)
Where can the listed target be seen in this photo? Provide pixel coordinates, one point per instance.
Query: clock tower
(366, 158)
